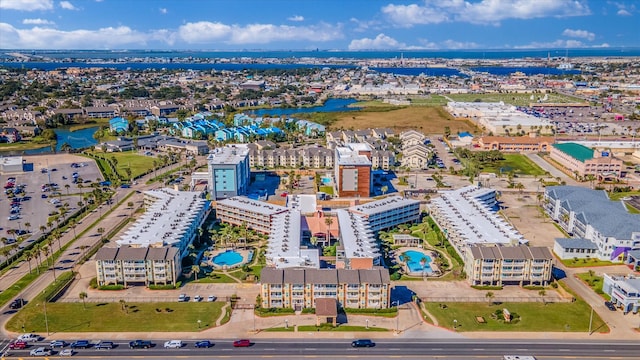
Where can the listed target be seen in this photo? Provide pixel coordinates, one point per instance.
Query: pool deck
(243, 253)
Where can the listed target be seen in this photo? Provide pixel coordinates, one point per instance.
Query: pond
(77, 139)
(331, 105)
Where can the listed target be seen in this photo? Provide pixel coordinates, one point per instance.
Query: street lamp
(455, 324)
(199, 321)
(367, 323)
(286, 323)
(397, 302)
(46, 319)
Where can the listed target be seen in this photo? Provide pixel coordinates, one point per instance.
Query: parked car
(363, 343)
(140, 344)
(183, 298)
(173, 344)
(211, 298)
(41, 351)
(104, 345)
(610, 305)
(58, 344)
(18, 345)
(80, 344)
(197, 298)
(242, 343)
(66, 352)
(29, 336)
(204, 344)
(17, 303)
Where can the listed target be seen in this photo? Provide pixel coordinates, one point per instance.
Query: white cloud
(563, 44)
(456, 45)
(37, 22)
(205, 31)
(381, 42)
(296, 18)
(482, 12)
(67, 5)
(104, 38)
(581, 34)
(163, 10)
(26, 5)
(362, 25)
(623, 12)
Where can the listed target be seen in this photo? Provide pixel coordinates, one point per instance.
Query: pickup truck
(140, 344)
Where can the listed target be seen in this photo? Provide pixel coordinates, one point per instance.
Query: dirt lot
(428, 120)
(524, 214)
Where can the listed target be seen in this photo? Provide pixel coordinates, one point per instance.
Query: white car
(173, 344)
(29, 337)
(211, 298)
(197, 298)
(41, 351)
(66, 352)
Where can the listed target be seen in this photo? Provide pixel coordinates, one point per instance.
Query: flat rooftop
(228, 155)
(383, 205)
(260, 207)
(355, 236)
(347, 156)
(576, 151)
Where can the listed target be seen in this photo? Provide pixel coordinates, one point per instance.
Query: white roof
(347, 156)
(473, 219)
(260, 207)
(166, 221)
(228, 155)
(284, 250)
(355, 235)
(12, 160)
(383, 206)
(305, 203)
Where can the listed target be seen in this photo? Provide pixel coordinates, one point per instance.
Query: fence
(496, 299)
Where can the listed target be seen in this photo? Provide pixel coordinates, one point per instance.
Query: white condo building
(388, 212)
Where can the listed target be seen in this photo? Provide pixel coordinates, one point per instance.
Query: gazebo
(326, 309)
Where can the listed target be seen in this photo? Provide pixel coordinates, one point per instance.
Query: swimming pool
(229, 258)
(415, 261)
(326, 180)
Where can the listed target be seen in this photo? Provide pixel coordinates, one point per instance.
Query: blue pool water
(228, 258)
(326, 180)
(414, 261)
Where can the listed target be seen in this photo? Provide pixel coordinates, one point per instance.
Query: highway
(407, 349)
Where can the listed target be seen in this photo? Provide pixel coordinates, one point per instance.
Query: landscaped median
(327, 327)
(116, 317)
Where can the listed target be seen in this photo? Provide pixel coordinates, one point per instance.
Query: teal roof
(576, 151)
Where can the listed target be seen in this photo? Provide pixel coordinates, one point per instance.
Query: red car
(242, 343)
(18, 345)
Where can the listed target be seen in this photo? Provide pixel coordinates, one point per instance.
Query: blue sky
(323, 24)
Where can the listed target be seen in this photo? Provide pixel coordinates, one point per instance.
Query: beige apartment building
(127, 265)
(583, 161)
(508, 265)
(300, 288)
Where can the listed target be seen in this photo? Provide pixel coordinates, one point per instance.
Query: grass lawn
(109, 317)
(619, 195)
(24, 145)
(556, 317)
(280, 329)
(139, 164)
(595, 282)
(327, 327)
(326, 189)
(523, 99)
(585, 262)
(421, 118)
(215, 278)
(519, 164)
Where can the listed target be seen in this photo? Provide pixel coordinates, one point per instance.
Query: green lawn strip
(280, 329)
(573, 263)
(111, 317)
(326, 189)
(594, 282)
(538, 317)
(432, 100)
(24, 145)
(103, 166)
(215, 278)
(164, 175)
(519, 164)
(326, 327)
(227, 315)
(619, 195)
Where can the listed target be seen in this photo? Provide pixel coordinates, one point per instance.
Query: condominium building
(127, 266)
(228, 171)
(300, 288)
(172, 219)
(591, 215)
(353, 170)
(284, 250)
(467, 217)
(242, 211)
(508, 265)
(624, 292)
(583, 161)
(358, 247)
(388, 212)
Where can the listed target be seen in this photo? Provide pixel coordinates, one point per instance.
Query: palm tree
(83, 295)
(101, 231)
(489, 295)
(328, 220)
(28, 255)
(406, 259)
(195, 269)
(123, 305)
(384, 189)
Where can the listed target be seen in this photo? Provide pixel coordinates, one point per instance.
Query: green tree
(83, 295)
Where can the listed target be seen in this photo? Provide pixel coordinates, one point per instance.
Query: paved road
(551, 169)
(386, 348)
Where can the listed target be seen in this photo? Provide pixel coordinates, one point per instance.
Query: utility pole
(590, 320)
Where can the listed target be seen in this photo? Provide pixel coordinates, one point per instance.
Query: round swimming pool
(229, 258)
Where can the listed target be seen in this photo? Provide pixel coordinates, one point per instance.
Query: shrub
(111, 287)
(391, 310)
(308, 311)
(93, 283)
(161, 287)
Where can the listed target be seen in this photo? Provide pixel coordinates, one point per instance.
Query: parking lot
(37, 202)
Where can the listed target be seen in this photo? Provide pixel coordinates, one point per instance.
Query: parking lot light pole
(397, 302)
(286, 323)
